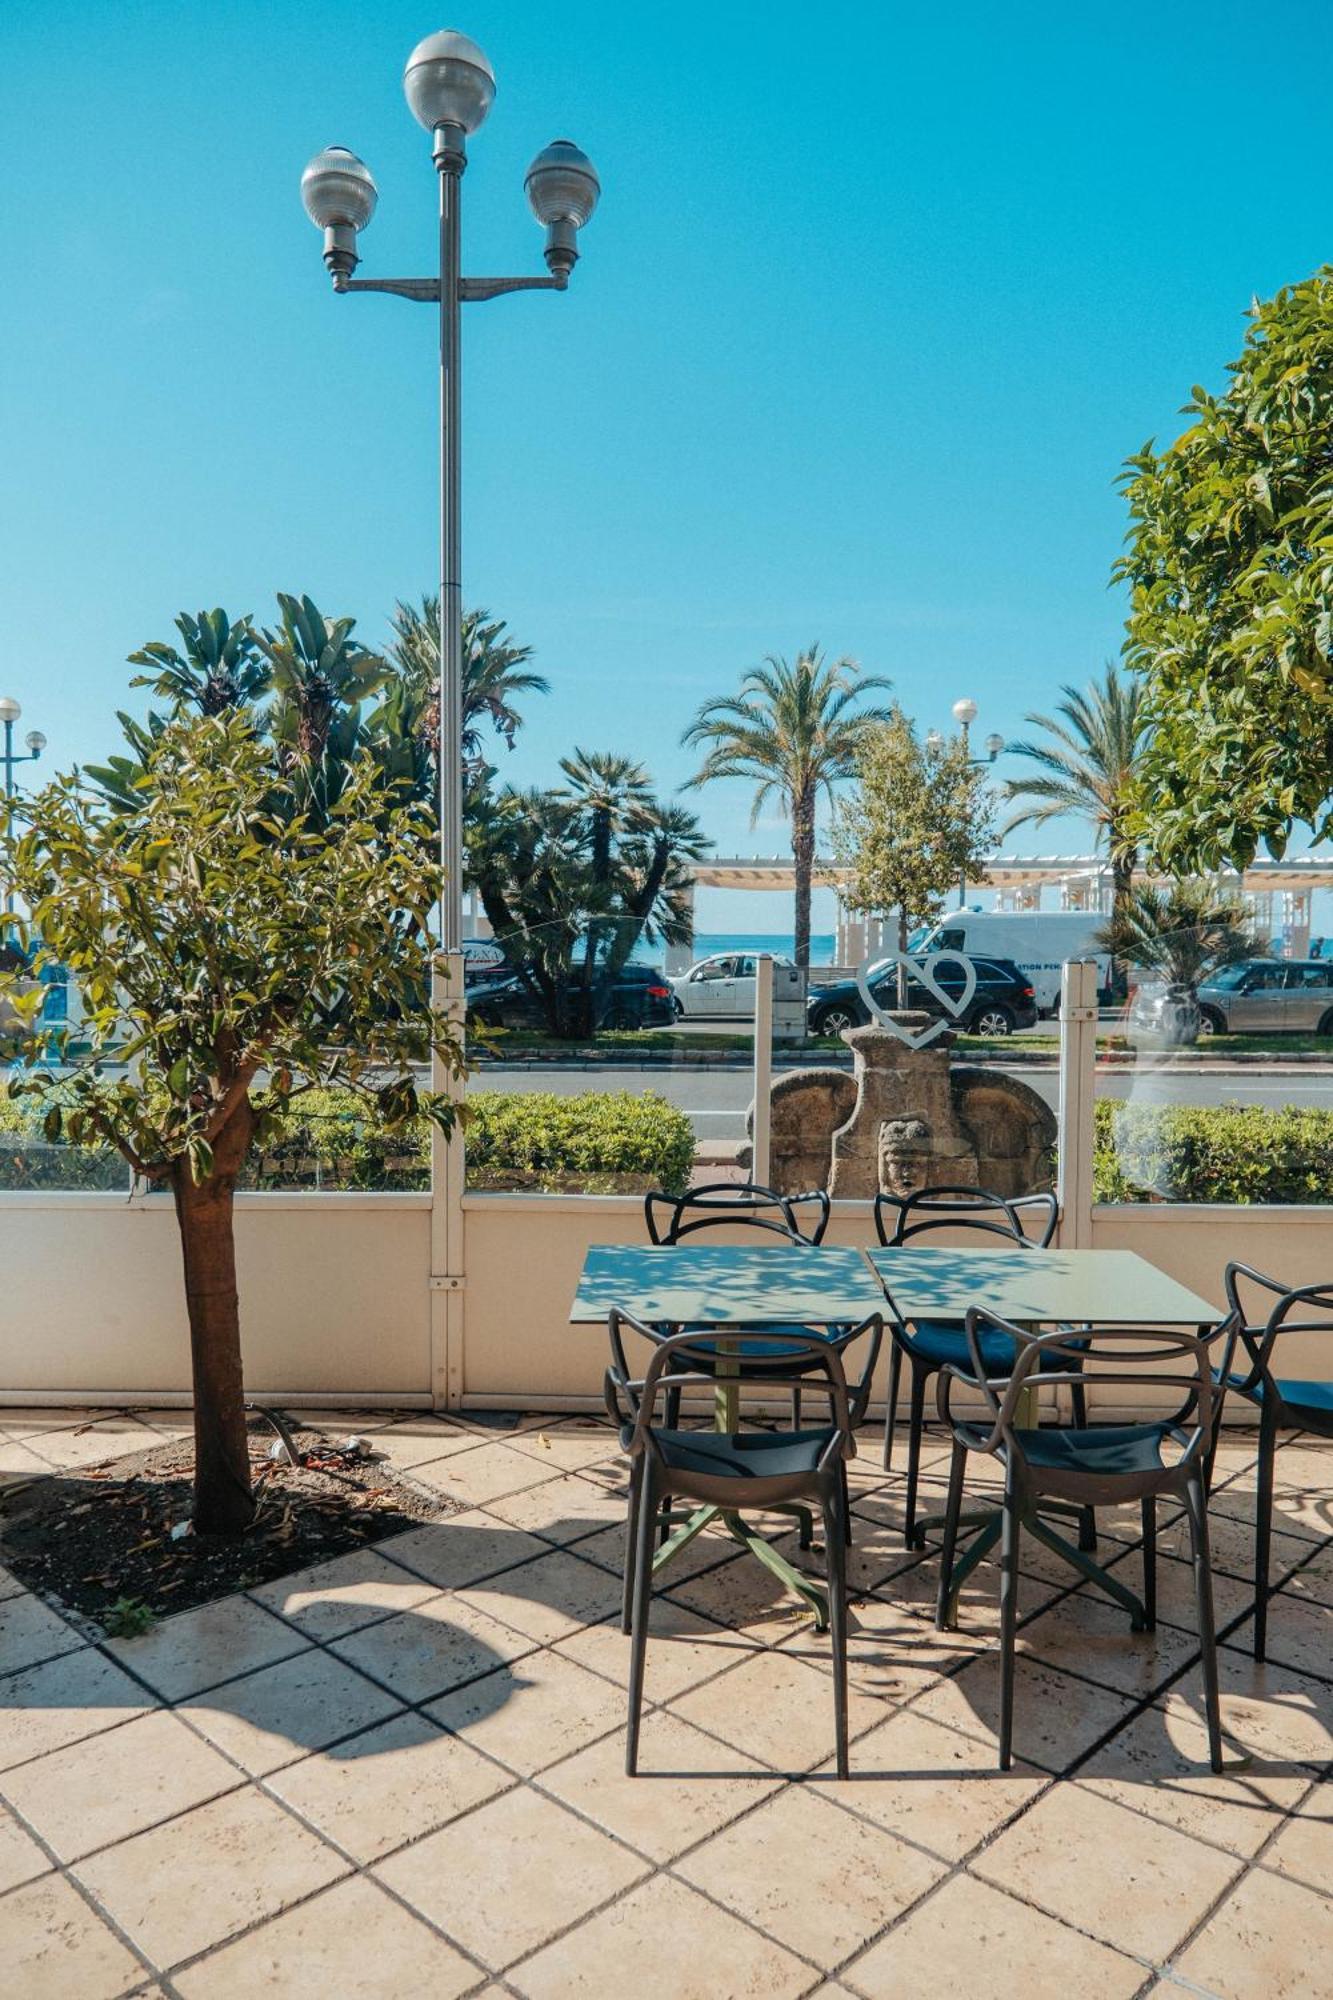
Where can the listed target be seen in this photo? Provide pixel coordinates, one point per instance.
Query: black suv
(1004, 998)
(636, 997)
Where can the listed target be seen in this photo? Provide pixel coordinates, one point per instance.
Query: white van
(1037, 942)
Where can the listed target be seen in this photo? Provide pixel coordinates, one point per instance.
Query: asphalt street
(717, 1099)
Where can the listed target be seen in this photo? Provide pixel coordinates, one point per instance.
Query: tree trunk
(803, 854)
(223, 1502)
(902, 947)
(1123, 863)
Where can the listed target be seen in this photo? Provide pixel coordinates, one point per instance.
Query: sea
(781, 943)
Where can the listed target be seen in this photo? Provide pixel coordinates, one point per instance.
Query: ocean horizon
(782, 943)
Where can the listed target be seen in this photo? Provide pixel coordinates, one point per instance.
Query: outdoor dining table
(712, 1288)
(1037, 1289)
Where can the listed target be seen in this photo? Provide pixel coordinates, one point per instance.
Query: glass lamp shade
(338, 190)
(448, 81)
(562, 184)
(10, 711)
(35, 741)
(994, 745)
(965, 711)
(934, 741)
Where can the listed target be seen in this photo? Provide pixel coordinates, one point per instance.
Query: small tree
(920, 819)
(234, 944)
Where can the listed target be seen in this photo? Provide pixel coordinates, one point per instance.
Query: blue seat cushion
(1105, 1450)
(1312, 1399)
(741, 1455)
(713, 1346)
(945, 1346)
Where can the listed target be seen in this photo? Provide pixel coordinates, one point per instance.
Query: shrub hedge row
(1231, 1153)
(600, 1142)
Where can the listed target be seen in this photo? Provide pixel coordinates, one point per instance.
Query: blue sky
(877, 300)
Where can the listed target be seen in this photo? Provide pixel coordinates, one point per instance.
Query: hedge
(1230, 1153)
(601, 1142)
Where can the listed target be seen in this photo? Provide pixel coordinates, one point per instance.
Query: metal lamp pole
(36, 742)
(965, 714)
(450, 87)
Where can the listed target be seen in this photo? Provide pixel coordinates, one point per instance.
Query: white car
(722, 987)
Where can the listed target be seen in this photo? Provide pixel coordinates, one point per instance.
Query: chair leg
(1203, 1591)
(1149, 1513)
(836, 1575)
(1008, 1622)
(845, 1484)
(891, 1407)
(1263, 1530)
(631, 1542)
(957, 1468)
(671, 1415)
(796, 1407)
(915, 1421)
(643, 1586)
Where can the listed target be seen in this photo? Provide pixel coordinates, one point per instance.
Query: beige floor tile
(891, 1653)
(1056, 1718)
(776, 1709)
(112, 1437)
(1232, 1595)
(510, 1875)
(935, 1786)
(53, 1947)
(570, 1450)
(1161, 1885)
(563, 1509)
(406, 1446)
(1300, 1635)
(1297, 1510)
(1088, 1635)
(61, 1701)
(1158, 1764)
(817, 1879)
(91, 1794)
(20, 1857)
(1271, 1940)
(621, 1951)
(548, 1599)
(1231, 1546)
(197, 1649)
(475, 1477)
(706, 1552)
(425, 1652)
(1268, 1712)
(19, 1422)
(534, 1712)
(460, 1549)
(743, 1594)
(685, 1789)
(1312, 1583)
(342, 1595)
(1304, 1846)
(389, 1785)
(683, 1650)
(30, 1631)
(20, 1462)
(969, 1938)
(9, 1584)
(351, 1940)
(201, 1878)
(272, 1717)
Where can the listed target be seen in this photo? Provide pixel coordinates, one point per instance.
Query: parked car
(638, 996)
(722, 987)
(1258, 996)
(1004, 998)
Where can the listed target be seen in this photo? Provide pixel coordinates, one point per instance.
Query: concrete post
(1078, 1085)
(760, 1158)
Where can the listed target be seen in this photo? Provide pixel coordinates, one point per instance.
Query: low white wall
(334, 1297)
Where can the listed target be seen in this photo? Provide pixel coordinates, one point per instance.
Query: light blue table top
(1038, 1287)
(727, 1285)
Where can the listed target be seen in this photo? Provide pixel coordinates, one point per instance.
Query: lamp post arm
(427, 290)
(494, 288)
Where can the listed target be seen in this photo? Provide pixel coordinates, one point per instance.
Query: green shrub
(1232, 1153)
(601, 1142)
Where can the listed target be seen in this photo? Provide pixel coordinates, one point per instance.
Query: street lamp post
(965, 714)
(450, 87)
(9, 757)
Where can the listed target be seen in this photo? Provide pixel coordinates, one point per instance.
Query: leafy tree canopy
(1230, 568)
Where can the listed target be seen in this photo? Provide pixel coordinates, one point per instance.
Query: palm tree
(1088, 768)
(221, 666)
(320, 675)
(795, 731)
(494, 672)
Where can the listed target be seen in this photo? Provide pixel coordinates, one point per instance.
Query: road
(717, 1099)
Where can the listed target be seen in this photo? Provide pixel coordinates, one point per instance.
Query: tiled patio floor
(401, 1774)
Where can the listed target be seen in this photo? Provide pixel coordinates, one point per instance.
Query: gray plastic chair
(733, 1471)
(1102, 1465)
(1284, 1402)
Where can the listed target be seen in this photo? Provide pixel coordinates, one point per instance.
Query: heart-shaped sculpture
(923, 970)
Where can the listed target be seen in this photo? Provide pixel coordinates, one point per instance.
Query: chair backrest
(1263, 1308)
(1120, 1356)
(898, 1218)
(640, 1392)
(732, 1204)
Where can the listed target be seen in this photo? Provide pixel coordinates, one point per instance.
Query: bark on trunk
(223, 1501)
(902, 947)
(803, 855)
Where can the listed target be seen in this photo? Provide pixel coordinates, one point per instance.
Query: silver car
(1259, 996)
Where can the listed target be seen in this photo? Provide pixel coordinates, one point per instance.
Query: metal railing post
(761, 1148)
(447, 1171)
(1078, 1088)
